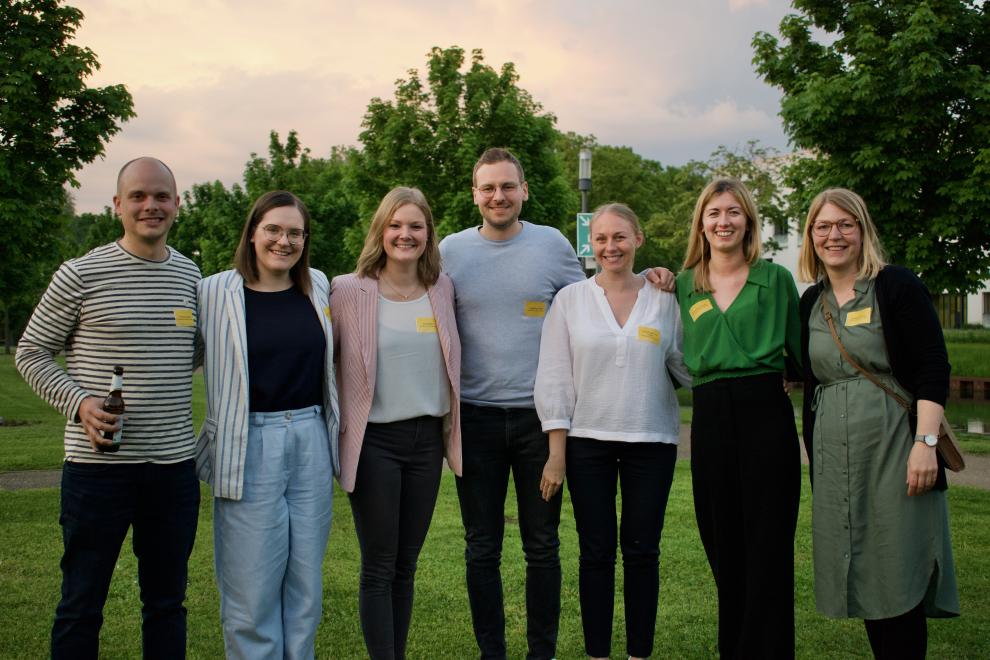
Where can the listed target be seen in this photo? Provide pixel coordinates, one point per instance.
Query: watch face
(930, 440)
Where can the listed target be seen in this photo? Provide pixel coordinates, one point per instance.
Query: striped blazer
(222, 444)
(354, 310)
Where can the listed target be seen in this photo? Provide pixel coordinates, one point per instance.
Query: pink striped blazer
(354, 314)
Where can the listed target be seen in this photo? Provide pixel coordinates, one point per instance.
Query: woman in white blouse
(608, 348)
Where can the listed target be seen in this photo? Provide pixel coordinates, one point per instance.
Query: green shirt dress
(877, 552)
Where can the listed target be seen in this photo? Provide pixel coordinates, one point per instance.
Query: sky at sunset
(210, 78)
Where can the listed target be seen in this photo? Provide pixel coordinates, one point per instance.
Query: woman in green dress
(879, 517)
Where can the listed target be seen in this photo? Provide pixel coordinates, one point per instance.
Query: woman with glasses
(603, 385)
(400, 370)
(741, 329)
(880, 523)
(268, 446)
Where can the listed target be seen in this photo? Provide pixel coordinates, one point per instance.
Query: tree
(211, 217)
(896, 106)
(51, 124)
(432, 133)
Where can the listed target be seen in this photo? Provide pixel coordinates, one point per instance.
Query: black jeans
(746, 478)
(398, 478)
(496, 441)
(646, 471)
(99, 503)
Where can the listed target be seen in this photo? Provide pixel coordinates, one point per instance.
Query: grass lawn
(29, 583)
(30, 547)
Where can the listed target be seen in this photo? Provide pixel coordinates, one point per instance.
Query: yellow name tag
(651, 335)
(183, 318)
(426, 324)
(859, 317)
(326, 310)
(699, 308)
(536, 310)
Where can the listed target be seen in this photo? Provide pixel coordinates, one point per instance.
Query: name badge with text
(859, 317)
(648, 334)
(536, 310)
(699, 308)
(426, 324)
(183, 318)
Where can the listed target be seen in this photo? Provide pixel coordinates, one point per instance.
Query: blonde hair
(373, 257)
(871, 256)
(699, 251)
(621, 210)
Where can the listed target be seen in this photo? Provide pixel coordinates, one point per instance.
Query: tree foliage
(51, 123)
(895, 105)
(430, 135)
(212, 216)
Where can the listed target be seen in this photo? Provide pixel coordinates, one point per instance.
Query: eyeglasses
(822, 228)
(274, 234)
(508, 189)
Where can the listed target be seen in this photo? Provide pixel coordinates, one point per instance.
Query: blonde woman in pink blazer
(399, 372)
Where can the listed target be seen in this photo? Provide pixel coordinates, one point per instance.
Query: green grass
(29, 584)
(969, 359)
(30, 547)
(968, 336)
(35, 442)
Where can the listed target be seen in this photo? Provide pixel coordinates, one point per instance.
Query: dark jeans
(746, 477)
(99, 504)
(496, 441)
(398, 478)
(645, 471)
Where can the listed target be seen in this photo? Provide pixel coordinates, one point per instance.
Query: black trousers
(645, 471)
(398, 478)
(746, 476)
(903, 637)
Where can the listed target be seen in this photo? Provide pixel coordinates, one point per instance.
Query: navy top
(286, 350)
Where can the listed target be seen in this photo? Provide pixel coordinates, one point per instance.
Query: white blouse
(599, 380)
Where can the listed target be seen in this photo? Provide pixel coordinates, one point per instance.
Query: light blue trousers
(269, 545)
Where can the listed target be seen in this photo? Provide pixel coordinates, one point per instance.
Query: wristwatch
(930, 440)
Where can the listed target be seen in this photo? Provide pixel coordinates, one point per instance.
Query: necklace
(404, 296)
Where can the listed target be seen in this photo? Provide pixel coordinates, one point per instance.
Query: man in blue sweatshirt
(506, 273)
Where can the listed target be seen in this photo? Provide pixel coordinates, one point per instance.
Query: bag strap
(827, 311)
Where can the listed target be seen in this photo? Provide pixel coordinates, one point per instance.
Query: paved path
(976, 474)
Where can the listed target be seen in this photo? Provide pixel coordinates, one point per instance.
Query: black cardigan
(915, 345)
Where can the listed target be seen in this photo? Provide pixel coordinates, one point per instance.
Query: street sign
(584, 235)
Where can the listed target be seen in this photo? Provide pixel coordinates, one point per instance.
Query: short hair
(699, 251)
(621, 210)
(372, 258)
(120, 174)
(245, 258)
(497, 155)
(871, 255)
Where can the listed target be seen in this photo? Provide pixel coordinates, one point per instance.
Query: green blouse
(751, 336)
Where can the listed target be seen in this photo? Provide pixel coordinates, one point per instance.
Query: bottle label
(117, 435)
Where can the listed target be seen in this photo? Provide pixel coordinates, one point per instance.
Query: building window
(951, 308)
(986, 303)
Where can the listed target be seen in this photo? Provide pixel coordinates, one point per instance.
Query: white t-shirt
(410, 375)
(599, 380)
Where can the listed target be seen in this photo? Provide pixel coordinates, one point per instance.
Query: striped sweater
(110, 308)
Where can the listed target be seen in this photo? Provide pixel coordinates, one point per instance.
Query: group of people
(491, 349)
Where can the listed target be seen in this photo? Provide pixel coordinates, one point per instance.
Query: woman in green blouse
(740, 316)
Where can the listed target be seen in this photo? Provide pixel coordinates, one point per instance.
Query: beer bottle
(114, 403)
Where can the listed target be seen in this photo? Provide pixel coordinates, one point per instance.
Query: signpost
(584, 235)
(584, 240)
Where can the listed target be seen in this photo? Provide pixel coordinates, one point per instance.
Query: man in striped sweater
(131, 303)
